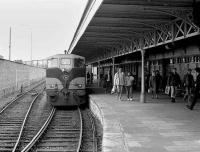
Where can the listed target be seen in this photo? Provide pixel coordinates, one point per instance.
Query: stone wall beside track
(15, 75)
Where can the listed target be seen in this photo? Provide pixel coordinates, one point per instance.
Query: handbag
(149, 90)
(114, 89)
(167, 89)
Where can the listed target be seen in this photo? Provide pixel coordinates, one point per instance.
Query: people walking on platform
(88, 77)
(119, 82)
(129, 86)
(108, 81)
(188, 83)
(91, 78)
(154, 82)
(147, 77)
(173, 81)
(196, 90)
(103, 81)
(159, 80)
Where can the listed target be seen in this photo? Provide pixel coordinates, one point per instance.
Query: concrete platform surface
(155, 126)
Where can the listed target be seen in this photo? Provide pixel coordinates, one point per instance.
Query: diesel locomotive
(65, 80)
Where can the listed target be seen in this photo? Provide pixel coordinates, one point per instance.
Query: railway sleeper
(5, 149)
(53, 150)
(61, 136)
(60, 140)
(66, 145)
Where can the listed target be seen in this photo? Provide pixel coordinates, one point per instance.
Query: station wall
(180, 58)
(14, 75)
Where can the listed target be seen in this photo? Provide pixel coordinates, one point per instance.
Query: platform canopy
(118, 22)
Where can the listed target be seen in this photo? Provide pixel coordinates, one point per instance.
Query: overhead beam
(130, 19)
(141, 16)
(116, 27)
(147, 24)
(111, 35)
(118, 31)
(153, 4)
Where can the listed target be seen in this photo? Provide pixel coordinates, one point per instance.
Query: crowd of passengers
(155, 84)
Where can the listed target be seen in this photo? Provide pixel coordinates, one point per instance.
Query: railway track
(89, 141)
(37, 117)
(19, 97)
(12, 120)
(65, 130)
(63, 133)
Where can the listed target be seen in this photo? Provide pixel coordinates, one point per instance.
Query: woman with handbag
(119, 82)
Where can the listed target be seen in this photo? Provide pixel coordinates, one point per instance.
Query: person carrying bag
(114, 89)
(119, 82)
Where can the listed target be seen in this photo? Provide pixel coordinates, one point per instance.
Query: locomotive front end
(65, 84)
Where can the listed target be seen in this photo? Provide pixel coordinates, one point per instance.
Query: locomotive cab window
(65, 61)
(53, 63)
(79, 63)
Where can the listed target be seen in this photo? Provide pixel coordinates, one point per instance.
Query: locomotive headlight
(79, 85)
(54, 86)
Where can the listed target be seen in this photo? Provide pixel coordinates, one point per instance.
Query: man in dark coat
(174, 81)
(196, 90)
(159, 80)
(188, 82)
(154, 83)
(88, 77)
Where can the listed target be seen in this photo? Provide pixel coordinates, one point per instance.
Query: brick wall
(14, 75)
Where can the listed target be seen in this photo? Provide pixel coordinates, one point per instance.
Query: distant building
(18, 61)
(1, 57)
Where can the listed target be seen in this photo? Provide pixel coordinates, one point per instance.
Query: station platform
(155, 126)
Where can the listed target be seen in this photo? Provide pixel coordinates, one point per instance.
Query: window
(79, 63)
(53, 63)
(65, 61)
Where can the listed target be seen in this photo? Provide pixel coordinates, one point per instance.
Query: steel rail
(81, 131)
(25, 119)
(93, 131)
(44, 127)
(12, 101)
(40, 132)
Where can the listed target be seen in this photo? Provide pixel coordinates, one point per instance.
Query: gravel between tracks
(37, 117)
(6, 100)
(89, 141)
(62, 133)
(11, 120)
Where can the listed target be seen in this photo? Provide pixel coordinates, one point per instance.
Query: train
(66, 80)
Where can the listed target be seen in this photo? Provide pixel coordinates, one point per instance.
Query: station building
(141, 36)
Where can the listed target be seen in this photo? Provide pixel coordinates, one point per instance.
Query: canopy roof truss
(125, 26)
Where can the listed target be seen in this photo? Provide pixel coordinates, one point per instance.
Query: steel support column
(142, 94)
(113, 69)
(98, 75)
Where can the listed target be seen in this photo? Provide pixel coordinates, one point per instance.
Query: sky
(51, 22)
